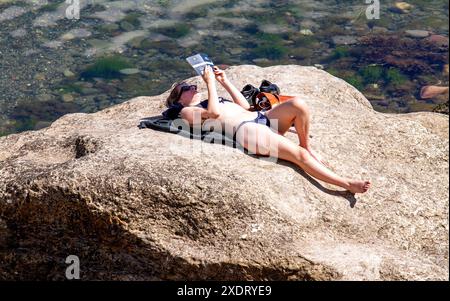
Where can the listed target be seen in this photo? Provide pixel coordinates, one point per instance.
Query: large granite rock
(144, 204)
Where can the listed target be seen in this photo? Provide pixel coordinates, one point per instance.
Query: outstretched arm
(231, 89)
(213, 99)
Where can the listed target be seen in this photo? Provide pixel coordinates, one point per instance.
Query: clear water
(51, 65)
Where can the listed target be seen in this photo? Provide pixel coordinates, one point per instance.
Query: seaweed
(107, 67)
(176, 31)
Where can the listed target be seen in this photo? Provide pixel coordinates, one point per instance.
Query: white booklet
(199, 61)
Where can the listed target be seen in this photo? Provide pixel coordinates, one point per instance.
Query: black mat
(160, 123)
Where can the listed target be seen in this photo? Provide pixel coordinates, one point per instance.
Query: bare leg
(261, 140)
(295, 112)
(301, 123)
(303, 158)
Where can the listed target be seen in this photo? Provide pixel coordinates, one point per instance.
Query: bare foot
(358, 186)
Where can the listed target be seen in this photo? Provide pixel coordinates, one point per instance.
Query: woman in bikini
(253, 130)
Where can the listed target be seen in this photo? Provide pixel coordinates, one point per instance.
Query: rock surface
(142, 204)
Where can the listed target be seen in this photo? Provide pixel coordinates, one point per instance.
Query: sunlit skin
(259, 138)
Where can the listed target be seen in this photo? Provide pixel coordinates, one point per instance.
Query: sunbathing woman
(253, 130)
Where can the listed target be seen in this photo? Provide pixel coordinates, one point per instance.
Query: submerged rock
(420, 34)
(306, 32)
(147, 205)
(401, 7)
(18, 33)
(129, 71)
(44, 97)
(12, 12)
(67, 98)
(414, 56)
(438, 40)
(75, 34)
(344, 40)
(68, 73)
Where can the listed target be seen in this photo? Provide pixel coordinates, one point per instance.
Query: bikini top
(173, 112)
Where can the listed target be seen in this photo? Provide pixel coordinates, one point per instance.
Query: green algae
(107, 67)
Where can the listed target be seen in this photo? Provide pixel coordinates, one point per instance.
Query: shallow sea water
(51, 65)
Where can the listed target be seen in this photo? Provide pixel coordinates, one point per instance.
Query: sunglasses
(185, 88)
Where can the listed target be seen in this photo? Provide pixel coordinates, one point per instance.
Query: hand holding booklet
(199, 61)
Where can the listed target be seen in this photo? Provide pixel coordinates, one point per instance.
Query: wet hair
(174, 95)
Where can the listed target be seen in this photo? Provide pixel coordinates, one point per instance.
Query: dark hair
(174, 95)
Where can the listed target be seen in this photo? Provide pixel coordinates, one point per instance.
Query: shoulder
(193, 114)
